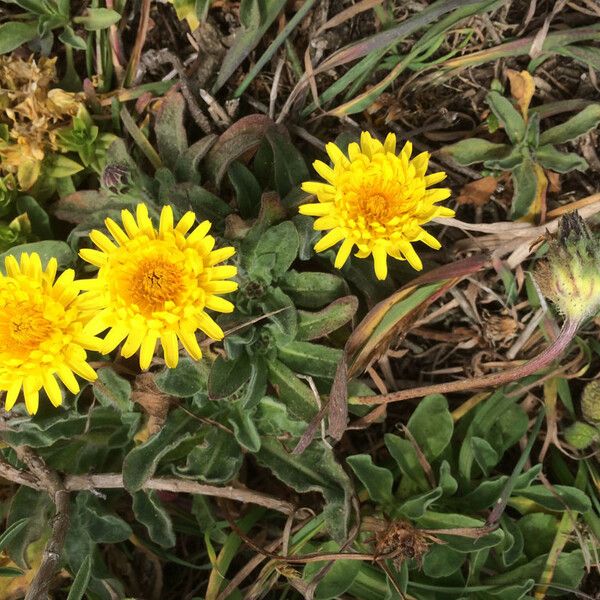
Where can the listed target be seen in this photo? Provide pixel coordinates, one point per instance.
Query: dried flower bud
(581, 435)
(590, 402)
(570, 276)
(114, 177)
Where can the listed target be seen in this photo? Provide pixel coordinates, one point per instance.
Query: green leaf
(141, 463)
(275, 252)
(289, 168)
(38, 217)
(513, 546)
(561, 162)
(476, 150)
(113, 390)
(559, 498)
(315, 470)
(10, 572)
(35, 508)
(57, 165)
(227, 377)
(377, 480)
(247, 189)
(436, 520)
(538, 531)
(47, 249)
(526, 189)
(337, 579)
(102, 525)
(244, 428)
(416, 506)
(508, 115)
(216, 460)
(282, 315)
(150, 512)
(569, 571)
(311, 359)
(485, 456)
(185, 380)
(446, 481)
(314, 325)
(243, 137)
(581, 123)
(70, 38)
(98, 18)
(442, 561)
(82, 579)
(14, 34)
(406, 458)
(312, 290)
(12, 531)
(171, 137)
(432, 425)
(187, 167)
(297, 396)
(190, 196)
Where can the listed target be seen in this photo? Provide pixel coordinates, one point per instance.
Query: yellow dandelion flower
(157, 285)
(42, 332)
(376, 200)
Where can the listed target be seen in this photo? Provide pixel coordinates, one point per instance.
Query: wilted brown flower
(30, 112)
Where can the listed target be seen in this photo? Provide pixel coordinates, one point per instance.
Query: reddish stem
(553, 351)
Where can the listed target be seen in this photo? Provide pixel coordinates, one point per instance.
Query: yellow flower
(157, 284)
(42, 332)
(377, 201)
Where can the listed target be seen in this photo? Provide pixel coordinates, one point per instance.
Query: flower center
(23, 328)
(152, 283)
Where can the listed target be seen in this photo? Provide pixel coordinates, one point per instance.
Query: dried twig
(51, 482)
(173, 484)
(493, 380)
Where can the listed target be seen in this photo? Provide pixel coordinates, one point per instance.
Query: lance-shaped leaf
(312, 290)
(508, 115)
(313, 325)
(242, 137)
(581, 123)
(316, 470)
(311, 359)
(560, 162)
(529, 198)
(378, 481)
(171, 137)
(476, 150)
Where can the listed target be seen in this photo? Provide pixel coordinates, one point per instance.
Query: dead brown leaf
(522, 89)
(478, 192)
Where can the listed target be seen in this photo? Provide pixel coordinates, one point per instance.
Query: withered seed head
(570, 275)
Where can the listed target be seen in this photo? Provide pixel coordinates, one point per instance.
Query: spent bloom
(376, 200)
(570, 275)
(43, 332)
(157, 284)
(30, 115)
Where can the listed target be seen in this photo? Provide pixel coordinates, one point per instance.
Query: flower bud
(590, 402)
(570, 275)
(581, 435)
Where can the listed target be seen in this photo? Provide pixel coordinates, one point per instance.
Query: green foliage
(529, 152)
(230, 424)
(42, 17)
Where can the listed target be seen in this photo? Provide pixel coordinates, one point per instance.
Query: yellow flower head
(42, 332)
(377, 201)
(157, 284)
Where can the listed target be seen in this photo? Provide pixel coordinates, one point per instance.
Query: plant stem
(553, 351)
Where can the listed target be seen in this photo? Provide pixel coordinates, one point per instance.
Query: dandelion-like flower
(157, 285)
(42, 332)
(376, 200)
